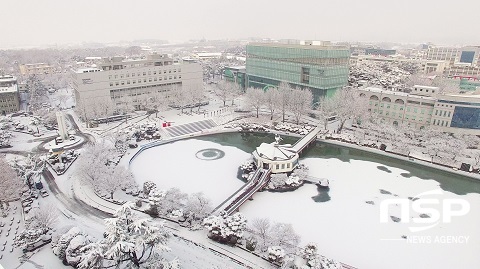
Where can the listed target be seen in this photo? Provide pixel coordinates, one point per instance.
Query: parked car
(59, 140)
(44, 193)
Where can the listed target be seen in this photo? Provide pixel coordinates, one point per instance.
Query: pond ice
(175, 165)
(346, 228)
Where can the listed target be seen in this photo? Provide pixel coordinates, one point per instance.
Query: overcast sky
(38, 22)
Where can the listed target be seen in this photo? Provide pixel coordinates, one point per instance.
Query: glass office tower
(322, 69)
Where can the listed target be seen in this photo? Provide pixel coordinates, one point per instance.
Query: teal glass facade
(322, 69)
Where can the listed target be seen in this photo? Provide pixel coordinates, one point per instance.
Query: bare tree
(45, 216)
(197, 207)
(115, 178)
(255, 98)
(345, 104)
(235, 91)
(285, 95)
(10, 184)
(223, 90)
(300, 103)
(273, 100)
(260, 228)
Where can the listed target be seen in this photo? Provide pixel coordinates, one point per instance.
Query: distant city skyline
(35, 23)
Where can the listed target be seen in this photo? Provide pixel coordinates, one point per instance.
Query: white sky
(37, 22)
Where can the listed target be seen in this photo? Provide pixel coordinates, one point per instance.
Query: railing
(259, 181)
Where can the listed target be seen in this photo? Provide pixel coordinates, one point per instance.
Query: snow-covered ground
(176, 165)
(344, 226)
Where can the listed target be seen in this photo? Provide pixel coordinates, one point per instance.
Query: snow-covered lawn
(175, 165)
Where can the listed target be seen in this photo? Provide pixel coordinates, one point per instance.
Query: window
(448, 114)
(277, 166)
(111, 83)
(144, 73)
(283, 166)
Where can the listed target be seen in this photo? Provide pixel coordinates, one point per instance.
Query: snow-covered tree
(173, 199)
(29, 168)
(92, 256)
(235, 91)
(223, 90)
(92, 163)
(45, 216)
(275, 254)
(181, 96)
(198, 96)
(286, 92)
(197, 207)
(74, 251)
(345, 104)
(28, 236)
(300, 103)
(227, 229)
(260, 229)
(255, 98)
(60, 247)
(273, 100)
(148, 186)
(10, 185)
(284, 235)
(119, 139)
(155, 197)
(113, 179)
(132, 242)
(315, 261)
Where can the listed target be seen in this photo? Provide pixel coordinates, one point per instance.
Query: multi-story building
(9, 101)
(462, 62)
(424, 107)
(117, 77)
(320, 68)
(36, 69)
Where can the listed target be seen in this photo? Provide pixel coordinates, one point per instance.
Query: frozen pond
(340, 220)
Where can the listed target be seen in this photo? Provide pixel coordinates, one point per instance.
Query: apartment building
(117, 77)
(9, 100)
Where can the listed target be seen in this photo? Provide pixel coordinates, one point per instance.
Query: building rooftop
(273, 151)
(312, 47)
(378, 90)
(86, 70)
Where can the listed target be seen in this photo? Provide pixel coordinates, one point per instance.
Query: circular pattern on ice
(210, 154)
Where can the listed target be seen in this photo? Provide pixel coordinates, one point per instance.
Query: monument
(62, 127)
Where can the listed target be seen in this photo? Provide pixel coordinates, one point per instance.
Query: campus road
(74, 204)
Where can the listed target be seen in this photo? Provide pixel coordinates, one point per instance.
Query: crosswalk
(190, 128)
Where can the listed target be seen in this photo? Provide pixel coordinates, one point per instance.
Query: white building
(280, 158)
(424, 107)
(117, 78)
(9, 101)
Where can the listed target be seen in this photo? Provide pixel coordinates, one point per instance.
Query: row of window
(277, 166)
(439, 113)
(145, 73)
(9, 105)
(440, 123)
(150, 79)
